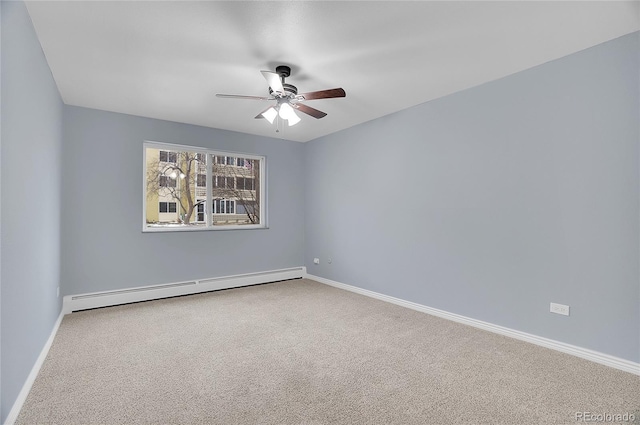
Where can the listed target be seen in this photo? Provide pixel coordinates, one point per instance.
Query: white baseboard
(79, 302)
(584, 353)
(24, 392)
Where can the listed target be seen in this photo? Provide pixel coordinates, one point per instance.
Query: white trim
(208, 211)
(24, 392)
(79, 302)
(584, 353)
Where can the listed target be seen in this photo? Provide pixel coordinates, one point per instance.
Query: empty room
(319, 212)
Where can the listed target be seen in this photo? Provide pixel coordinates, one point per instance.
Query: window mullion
(208, 208)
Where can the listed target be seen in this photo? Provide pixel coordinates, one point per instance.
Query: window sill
(201, 229)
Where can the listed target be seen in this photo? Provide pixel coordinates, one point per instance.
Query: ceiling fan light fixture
(293, 118)
(270, 114)
(286, 111)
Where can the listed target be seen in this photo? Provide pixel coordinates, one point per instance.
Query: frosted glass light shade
(293, 118)
(270, 114)
(286, 111)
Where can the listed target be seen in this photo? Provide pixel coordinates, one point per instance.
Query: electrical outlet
(316, 261)
(329, 260)
(559, 309)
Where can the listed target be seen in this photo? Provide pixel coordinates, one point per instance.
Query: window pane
(173, 183)
(236, 191)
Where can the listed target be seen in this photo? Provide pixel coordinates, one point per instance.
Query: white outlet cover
(559, 309)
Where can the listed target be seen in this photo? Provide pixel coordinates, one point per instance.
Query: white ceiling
(168, 59)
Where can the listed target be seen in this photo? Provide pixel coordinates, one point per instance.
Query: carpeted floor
(299, 352)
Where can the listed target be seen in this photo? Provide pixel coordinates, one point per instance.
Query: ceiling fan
(287, 98)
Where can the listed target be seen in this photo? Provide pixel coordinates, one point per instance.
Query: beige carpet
(299, 352)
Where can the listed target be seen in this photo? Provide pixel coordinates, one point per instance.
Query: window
(228, 160)
(189, 188)
(224, 206)
(166, 181)
(166, 156)
(201, 215)
(168, 207)
(245, 207)
(223, 182)
(245, 183)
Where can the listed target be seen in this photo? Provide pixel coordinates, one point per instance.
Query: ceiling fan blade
(309, 110)
(240, 96)
(274, 81)
(324, 94)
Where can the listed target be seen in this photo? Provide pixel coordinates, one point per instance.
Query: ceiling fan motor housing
(289, 89)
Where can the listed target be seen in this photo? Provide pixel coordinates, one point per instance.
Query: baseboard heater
(79, 302)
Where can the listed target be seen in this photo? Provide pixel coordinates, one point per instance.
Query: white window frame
(208, 211)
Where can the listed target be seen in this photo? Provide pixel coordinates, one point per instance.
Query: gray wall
(103, 247)
(495, 201)
(30, 201)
